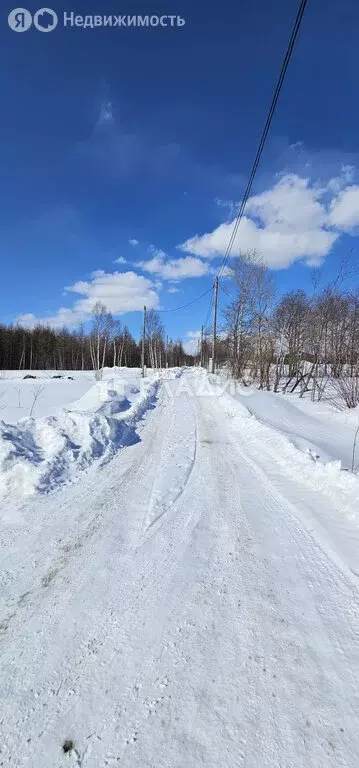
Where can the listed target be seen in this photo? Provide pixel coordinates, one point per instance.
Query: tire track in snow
(175, 466)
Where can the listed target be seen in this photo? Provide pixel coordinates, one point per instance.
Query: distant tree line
(106, 343)
(296, 342)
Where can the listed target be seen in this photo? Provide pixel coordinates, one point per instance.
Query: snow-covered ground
(43, 394)
(52, 390)
(320, 429)
(317, 428)
(194, 600)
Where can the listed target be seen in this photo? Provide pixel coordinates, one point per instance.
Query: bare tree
(264, 343)
(300, 344)
(347, 388)
(353, 331)
(102, 325)
(37, 391)
(291, 323)
(248, 317)
(117, 341)
(155, 339)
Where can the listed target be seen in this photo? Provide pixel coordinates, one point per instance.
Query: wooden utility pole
(143, 342)
(214, 325)
(201, 347)
(166, 351)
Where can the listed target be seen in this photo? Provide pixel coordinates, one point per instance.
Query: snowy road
(183, 607)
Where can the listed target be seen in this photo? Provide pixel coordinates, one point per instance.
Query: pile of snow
(38, 454)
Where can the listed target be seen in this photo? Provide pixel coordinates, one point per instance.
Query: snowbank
(40, 454)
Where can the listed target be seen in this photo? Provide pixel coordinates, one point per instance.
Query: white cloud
(293, 220)
(190, 344)
(338, 182)
(133, 242)
(106, 113)
(28, 320)
(292, 204)
(120, 260)
(63, 317)
(157, 252)
(344, 209)
(173, 289)
(225, 271)
(231, 206)
(119, 291)
(174, 269)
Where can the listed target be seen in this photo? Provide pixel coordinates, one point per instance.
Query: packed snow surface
(191, 600)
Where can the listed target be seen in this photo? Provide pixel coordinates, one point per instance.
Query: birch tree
(102, 326)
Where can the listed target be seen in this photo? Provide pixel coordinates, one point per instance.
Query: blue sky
(117, 135)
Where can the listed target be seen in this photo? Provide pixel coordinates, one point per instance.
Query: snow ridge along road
(184, 606)
(41, 454)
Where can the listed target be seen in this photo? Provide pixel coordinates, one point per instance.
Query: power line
(184, 306)
(283, 71)
(205, 324)
(225, 291)
(284, 68)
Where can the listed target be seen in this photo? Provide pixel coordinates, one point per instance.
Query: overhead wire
(184, 306)
(278, 88)
(225, 291)
(209, 310)
(247, 192)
